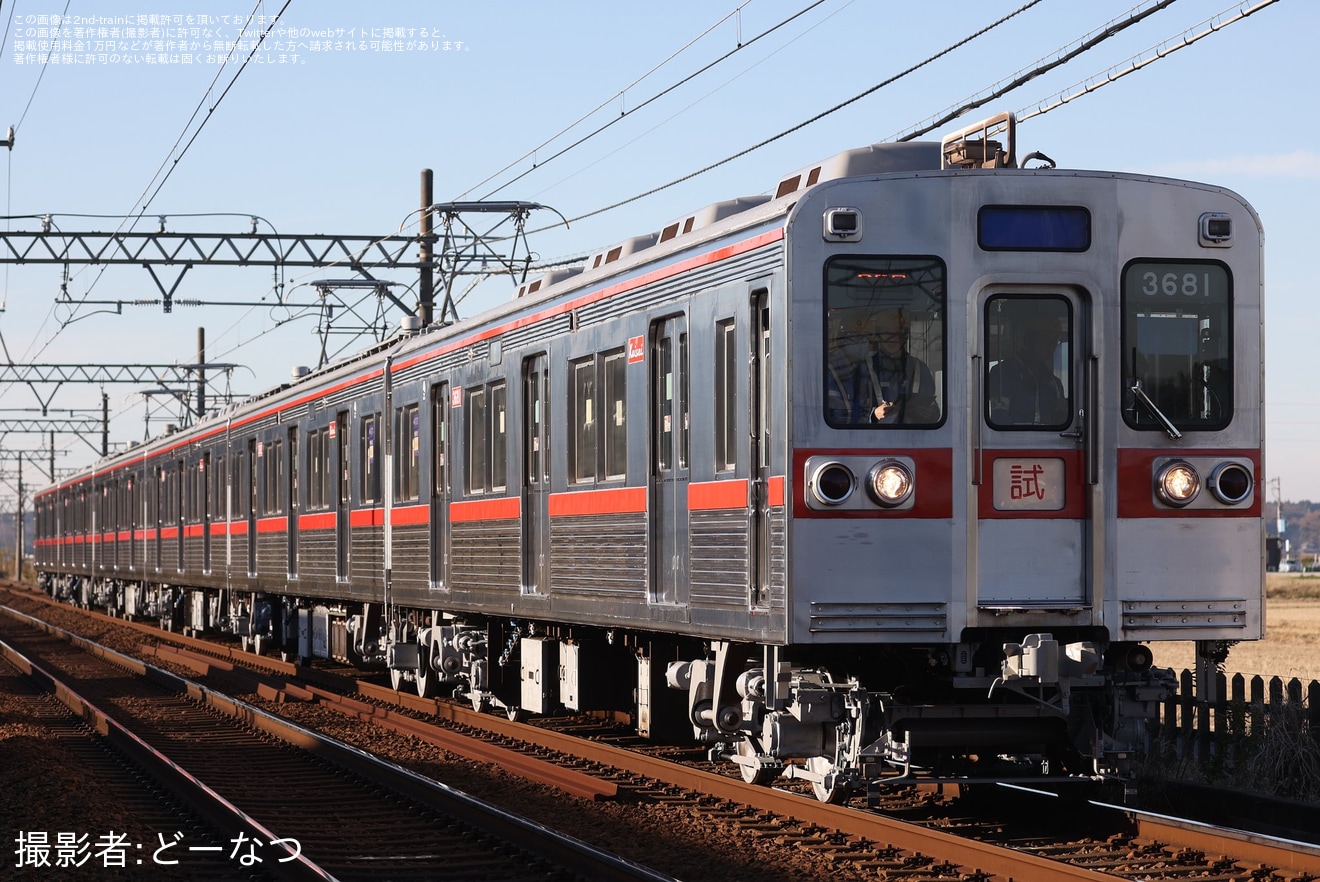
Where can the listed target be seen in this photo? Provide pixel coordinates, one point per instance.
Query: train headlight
(1177, 483)
(890, 483)
(1231, 483)
(832, 483)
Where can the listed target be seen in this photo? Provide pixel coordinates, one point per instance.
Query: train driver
(873, 378)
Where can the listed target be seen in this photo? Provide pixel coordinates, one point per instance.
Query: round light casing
(1138, 658)
(1177, 483)
(832, 483)
(890, 483)
(1231, 483)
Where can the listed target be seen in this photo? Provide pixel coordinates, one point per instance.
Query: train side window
(440, 404)
(293, 470)
(582, 417)
(726, 396)
(176, 495)
(318, 469)
(499, 435)
(1177, 343)
(219, 476)
(409, 453)
(477, 439)
(598, 416)
(274, 457)
(368, 457)
(312, 446)
(614, 414)
(237, 489)
(196, 491)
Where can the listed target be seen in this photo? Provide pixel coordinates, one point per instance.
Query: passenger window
(367, 456)
(614, 414)
(499, 435)
(476, 440)
(408, 432)
(274, 455)
(598, 416)
(583, 419)
(726, 396)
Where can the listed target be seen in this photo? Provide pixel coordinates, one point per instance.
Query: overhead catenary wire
(816, 118)
(629, 112)
(1212, 25)
(167, 166)
(53, 45)
(1019, 80)
(1024, 76)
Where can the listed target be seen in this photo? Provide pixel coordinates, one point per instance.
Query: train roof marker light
(843, 225)
(1215, 229)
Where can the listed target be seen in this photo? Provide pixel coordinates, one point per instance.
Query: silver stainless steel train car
(900, 471)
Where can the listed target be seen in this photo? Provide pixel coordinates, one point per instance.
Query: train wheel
(515, 714)
(396, 678)
(830, 790)
(479, 701)
(424, 677)
(760, 777)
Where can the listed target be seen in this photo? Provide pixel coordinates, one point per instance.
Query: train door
(158, 491)
(116, 508)
(133, 521)
(440, 404)
(669, 461)
(536, 476)
(180, 510)
(295, 504)
(252, 468)
(208, 504)
(1033, 542)
(759, 384)
(339, 431)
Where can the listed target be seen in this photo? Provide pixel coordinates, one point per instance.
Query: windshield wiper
(1165, 423)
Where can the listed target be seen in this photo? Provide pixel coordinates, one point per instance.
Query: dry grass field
(1291, 647)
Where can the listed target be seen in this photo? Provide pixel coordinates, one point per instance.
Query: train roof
(688, 231)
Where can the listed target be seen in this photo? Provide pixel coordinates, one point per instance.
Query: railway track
(1013, 835)
(99, 806)
(298, 805)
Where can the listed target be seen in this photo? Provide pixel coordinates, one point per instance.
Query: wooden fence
(1217, 719)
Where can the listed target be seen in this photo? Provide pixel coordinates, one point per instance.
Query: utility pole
(105, 424)
(18, 527)
(426, 270)
(201, 373)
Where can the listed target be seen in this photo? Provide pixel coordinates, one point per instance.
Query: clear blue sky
(324, 139)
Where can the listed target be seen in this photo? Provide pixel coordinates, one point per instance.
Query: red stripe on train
(615, 500)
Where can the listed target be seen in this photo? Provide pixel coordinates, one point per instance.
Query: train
(900, 472)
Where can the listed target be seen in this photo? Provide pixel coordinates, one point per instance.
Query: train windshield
(884, 342)
(1177, 344)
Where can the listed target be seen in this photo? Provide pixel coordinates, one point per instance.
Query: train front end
(1025, 449)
